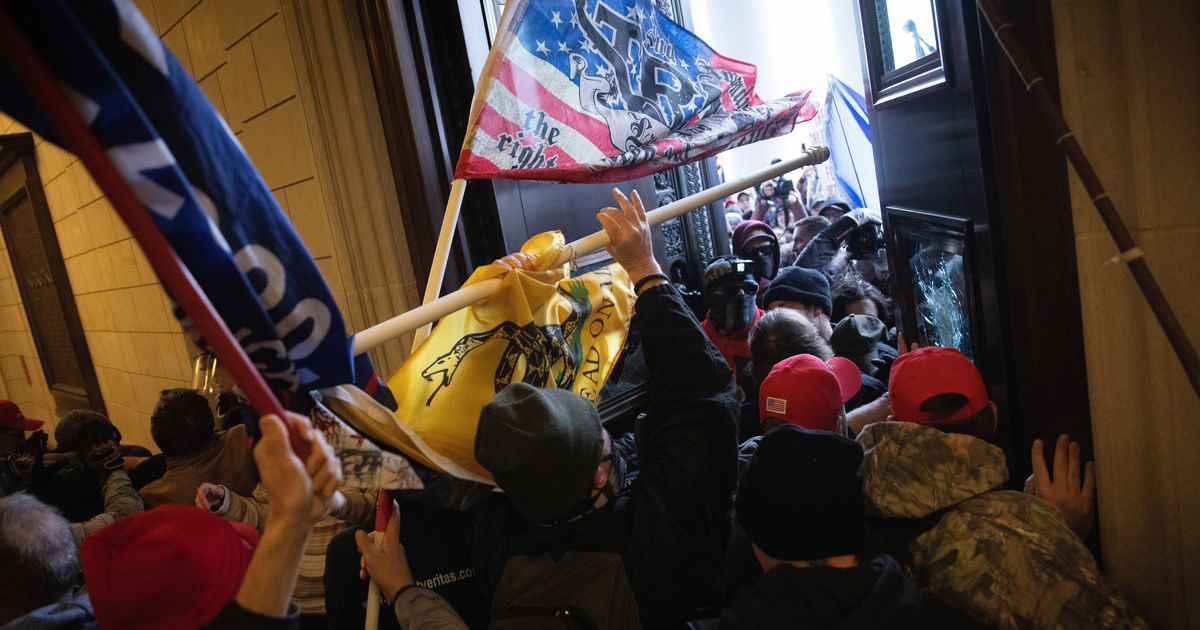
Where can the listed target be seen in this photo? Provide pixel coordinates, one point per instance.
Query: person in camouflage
(930, 483)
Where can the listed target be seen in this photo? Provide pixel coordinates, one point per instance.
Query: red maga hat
(927, 372)
(805, 391)
(11, 416)
(175, 566)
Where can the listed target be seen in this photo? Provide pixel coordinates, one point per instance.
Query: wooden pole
(437, 270)
(1131, 254)
(471, 294)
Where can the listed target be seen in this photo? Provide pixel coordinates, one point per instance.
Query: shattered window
(939, 290)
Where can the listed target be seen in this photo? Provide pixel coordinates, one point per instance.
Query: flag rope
(471, 294)
(18, 52)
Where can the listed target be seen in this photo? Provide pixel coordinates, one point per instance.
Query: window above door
(904, 50)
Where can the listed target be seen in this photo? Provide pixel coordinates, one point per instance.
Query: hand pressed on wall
(1073, 495)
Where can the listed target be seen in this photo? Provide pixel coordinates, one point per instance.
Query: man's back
(226, 461)
(875, 594)
(1006, 558)
(670, 528)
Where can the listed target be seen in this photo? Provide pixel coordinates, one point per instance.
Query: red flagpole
(23, 60)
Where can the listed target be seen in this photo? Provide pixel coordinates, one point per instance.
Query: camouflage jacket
(1006, 558)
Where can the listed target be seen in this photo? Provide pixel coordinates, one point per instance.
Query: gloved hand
(101, 450)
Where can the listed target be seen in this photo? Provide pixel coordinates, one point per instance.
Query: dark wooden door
(975, 206)
(42, 280)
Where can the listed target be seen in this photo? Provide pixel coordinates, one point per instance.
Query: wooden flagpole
(471, 294)
(1130, 253)
(52, 98)
(437, 270)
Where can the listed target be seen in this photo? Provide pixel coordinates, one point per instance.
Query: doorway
(41, 279)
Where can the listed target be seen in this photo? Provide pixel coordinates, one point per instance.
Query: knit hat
(542, 446)
(798, 284)
(747, 230)
(927, 372)
(175, 566)
(801, 495)
(805, 391)
(11, 417)
(856, 337)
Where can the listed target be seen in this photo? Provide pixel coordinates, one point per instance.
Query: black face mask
(764, 261)
(731, 313)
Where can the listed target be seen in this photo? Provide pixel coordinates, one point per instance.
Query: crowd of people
(798, 465)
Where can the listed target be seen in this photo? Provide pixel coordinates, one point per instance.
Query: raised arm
(301, 493)
(120, 500)
(684, 365)
(687, 447)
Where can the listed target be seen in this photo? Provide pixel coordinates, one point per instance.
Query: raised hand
(300, 493)
(1075, 497)
(629, 234)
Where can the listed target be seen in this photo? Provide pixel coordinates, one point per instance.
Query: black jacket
(670, 527)
(875, 594)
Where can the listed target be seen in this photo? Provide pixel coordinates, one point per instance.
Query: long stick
(437, 270)
(471, 294)
(1131, 254)
(54, 102)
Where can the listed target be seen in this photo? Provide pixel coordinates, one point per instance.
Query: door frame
(18, 151)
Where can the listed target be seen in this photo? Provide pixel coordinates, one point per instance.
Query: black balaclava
(730, 289)
(729, 314)
(765, 257)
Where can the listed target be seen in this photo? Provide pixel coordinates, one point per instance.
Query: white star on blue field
(551, 31)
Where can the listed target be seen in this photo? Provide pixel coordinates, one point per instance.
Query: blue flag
(192, 174)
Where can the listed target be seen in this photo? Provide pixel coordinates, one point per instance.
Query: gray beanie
(542, 446)
(856, 335)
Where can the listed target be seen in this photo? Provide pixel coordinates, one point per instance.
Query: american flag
(610, 90)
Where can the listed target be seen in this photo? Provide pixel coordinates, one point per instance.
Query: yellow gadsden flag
(542, 327)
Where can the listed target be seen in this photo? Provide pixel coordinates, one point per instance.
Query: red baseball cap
(11, 416)
(927, 372)
(175, 566)
(805, 391)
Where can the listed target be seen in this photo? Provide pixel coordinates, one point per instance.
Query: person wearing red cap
(182, 567)
(784, 333)
(933, 479)
(13, 425)
(804, 391)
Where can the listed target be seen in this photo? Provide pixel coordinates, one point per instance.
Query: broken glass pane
(939, 290)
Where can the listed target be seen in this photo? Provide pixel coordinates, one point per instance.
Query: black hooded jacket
(875, 594)
(670, 526)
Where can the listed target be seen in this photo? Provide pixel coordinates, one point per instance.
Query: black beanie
(801, 496)
(542, 446)
(799, 284)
